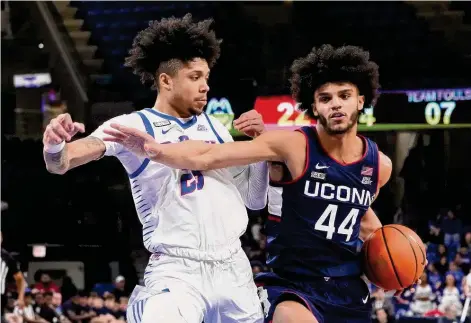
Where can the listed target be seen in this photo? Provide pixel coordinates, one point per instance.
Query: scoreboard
(445, 107)
(395, 110)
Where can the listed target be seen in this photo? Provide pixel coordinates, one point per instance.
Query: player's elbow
(206, 162)
(56, 168)
(53, 169)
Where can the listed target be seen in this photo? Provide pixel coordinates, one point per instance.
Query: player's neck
(165, 107)
(341, 147)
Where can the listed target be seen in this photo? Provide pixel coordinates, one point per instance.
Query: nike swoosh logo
(364, 300)
(164, 132)
(321, 167)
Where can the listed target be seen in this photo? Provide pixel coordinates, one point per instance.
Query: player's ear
(361, 102)
(314, 110)
(165, 81)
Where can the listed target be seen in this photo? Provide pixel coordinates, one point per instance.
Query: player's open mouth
(337, 116)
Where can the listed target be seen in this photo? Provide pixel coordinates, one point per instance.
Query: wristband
(52, 149)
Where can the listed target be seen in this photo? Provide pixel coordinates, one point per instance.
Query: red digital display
(281, 111)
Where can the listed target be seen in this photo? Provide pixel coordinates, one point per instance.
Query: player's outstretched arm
(197, 155)
(370, 222)
(74, 154)
(61, 155)
(266, 147)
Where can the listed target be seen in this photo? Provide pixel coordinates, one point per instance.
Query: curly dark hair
(333, 65)
(156, 48)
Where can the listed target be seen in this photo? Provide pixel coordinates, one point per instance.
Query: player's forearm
(197, 155)
(74, 154)
(57, 163)
(183, 155)
(20, 286)
(369, 224)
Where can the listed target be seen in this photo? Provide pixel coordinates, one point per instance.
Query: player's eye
(345, 96)
(194, 77)
(324, 99)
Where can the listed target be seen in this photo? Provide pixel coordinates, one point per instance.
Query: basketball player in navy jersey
(329, 180)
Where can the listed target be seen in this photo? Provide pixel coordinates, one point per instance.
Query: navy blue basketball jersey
(317, 232)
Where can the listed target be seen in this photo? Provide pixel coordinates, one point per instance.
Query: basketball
(393, 257)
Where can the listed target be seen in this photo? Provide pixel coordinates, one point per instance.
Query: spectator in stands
(451, 227)
(97, 304)
(466, 241)
(27, 312)
(47, 310)
(77, 310)
(112, 307)
(450, 295)
(456, 272)
(380, 301)
(109, 311)
(46, 284)
(120, 287)
(435, 234)
(423, 297)
(68, 289)
(465, 260)
(38, 300)
(442, 266)
(442, 252)
(434, 277)
(123, 305)
(57, 303)
(451, 313)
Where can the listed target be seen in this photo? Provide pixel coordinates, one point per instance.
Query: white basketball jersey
(178, 209)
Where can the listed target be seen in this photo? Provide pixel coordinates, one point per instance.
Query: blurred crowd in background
(45, 301)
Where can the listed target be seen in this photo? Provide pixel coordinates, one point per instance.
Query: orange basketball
(393, 257)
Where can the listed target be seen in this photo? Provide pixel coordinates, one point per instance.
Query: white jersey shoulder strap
(150, 131)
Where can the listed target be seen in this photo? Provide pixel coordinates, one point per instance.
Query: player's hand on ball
(412, 287)
(136, 141)
(250, 123)
(61, 128)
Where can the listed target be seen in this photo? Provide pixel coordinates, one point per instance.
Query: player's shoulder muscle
(285, 144)
(385, 168)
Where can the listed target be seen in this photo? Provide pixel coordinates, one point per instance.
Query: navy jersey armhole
(286, 176)
(307, 132)
(150, 131)
(375, 147)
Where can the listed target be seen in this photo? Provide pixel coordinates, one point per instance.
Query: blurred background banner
(80, 231)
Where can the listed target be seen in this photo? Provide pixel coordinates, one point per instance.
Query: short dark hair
(333, 65)
(156, 48)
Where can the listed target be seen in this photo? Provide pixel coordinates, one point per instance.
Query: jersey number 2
(329, 216)
(191, 182)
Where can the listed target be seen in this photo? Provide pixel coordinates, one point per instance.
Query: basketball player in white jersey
(192, 221)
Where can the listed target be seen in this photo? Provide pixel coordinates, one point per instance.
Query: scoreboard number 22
(288, 111)
(433, 112)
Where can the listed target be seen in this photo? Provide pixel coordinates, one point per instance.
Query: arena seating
(407, 52)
